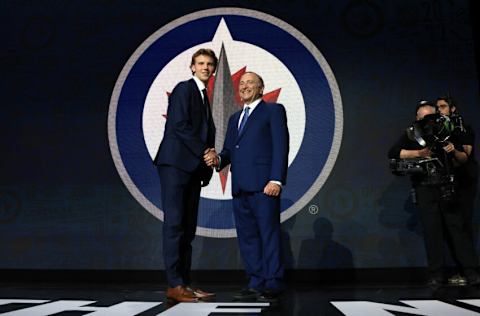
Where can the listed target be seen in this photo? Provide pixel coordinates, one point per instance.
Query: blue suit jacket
(188, 132)
(260, 153)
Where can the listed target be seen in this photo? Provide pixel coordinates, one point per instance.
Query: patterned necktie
(206, 103)
(244, 119)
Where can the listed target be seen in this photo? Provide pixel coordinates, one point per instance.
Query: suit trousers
(180, 198)
(437, 216)
(257, 221)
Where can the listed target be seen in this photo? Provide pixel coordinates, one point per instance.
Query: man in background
(435, 206)
(466, 174)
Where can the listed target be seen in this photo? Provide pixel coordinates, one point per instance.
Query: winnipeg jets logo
(235, 58)
(295, 74)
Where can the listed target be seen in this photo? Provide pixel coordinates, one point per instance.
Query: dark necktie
(210, 124)
(206, 103)
(244, 119)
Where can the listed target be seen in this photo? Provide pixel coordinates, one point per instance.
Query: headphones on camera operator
(455, 117)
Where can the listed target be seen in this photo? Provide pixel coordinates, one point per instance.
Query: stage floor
(61, 299)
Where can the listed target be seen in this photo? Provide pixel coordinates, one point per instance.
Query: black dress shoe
(246, 295)
(269, 297)
(473, 280)
(435, 282)
(457, 280)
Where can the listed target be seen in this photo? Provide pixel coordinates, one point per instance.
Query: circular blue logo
(295, 73)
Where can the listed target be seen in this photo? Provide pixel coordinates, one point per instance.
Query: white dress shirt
(200, 86)
(252, 107)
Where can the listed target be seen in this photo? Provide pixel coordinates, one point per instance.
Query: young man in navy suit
(189, 132)
(256, 146)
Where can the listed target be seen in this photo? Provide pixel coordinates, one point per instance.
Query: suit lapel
(198, 96)
(235, 128)
(251, 119)
(197, 101)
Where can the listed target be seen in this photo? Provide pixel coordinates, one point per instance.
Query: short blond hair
(205, 52)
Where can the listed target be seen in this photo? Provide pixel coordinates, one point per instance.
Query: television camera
(433, 131)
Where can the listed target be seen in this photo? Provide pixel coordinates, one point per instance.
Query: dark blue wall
(63, 205)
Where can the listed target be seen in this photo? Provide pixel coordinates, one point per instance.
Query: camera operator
(434, 201)
(466, 174)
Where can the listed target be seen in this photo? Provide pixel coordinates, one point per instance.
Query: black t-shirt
(437, 151)
(403, 143)
(467, 173)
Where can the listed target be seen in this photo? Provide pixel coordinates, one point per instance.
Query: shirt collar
(199, 83)
(252, 105)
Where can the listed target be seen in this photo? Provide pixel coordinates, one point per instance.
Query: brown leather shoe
(181, 294)
(201, 294)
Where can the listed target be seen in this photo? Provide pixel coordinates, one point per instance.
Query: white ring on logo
(337, 101)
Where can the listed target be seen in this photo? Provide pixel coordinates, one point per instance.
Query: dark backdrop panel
(63, 205)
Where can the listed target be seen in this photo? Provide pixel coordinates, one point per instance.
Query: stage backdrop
(84, 88)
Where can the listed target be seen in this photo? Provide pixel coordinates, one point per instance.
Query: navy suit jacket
(260, 152)
(188, 132)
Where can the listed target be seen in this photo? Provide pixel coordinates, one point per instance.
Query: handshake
(211, 158)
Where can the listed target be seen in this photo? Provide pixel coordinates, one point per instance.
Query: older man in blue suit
(189, 131)
(256, 146)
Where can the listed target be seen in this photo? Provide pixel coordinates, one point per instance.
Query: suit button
(236, 146)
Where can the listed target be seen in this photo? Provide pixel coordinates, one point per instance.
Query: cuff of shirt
(217, 168)
(276, 182)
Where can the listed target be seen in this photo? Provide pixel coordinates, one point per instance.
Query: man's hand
(425, 152)
(449, 147)
(460, 157)
(272, 189)
(210, 157)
